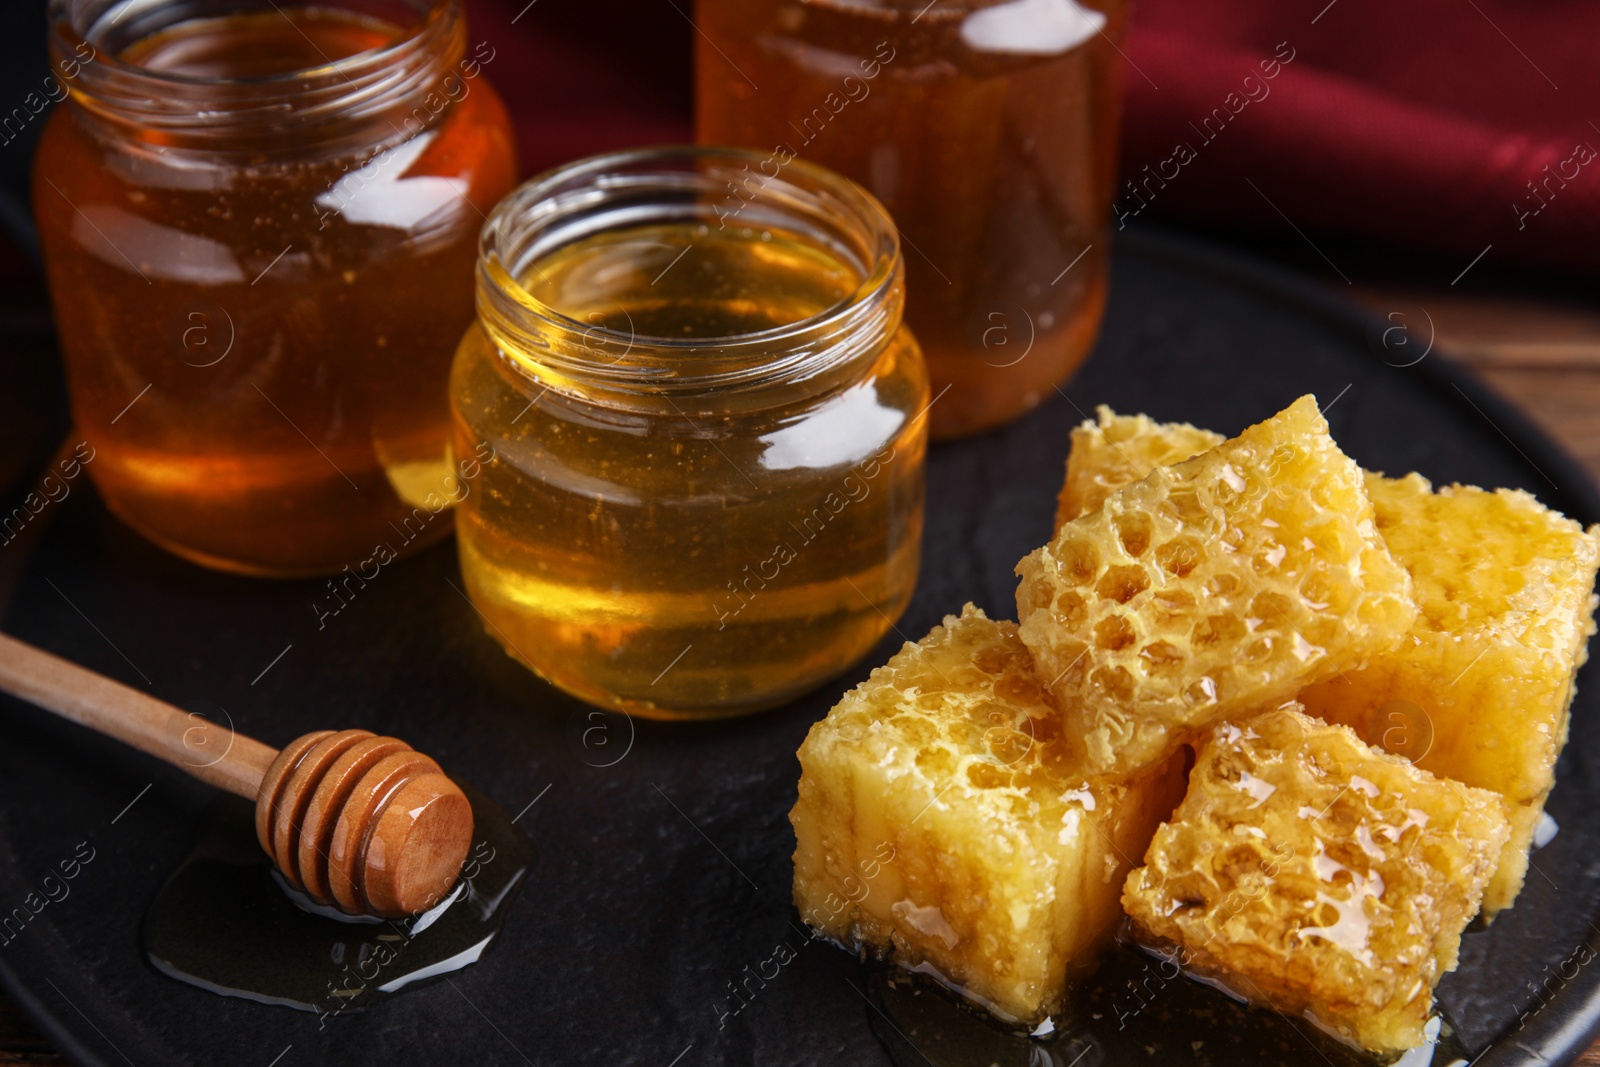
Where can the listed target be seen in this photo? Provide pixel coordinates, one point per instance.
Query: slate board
(663, 860)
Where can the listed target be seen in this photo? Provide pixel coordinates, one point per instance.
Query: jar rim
(352, 87)
(543, 201)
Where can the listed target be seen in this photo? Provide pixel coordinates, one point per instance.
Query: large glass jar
(988, 128)
(259, 227)
(693, 427)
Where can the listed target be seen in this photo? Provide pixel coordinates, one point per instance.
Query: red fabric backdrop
(1419, 123)
(1416, 124)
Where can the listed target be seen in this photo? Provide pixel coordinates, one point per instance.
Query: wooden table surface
(1542, 352)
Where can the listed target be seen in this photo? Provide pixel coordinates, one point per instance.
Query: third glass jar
(989, 131)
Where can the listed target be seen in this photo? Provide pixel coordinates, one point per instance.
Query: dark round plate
(663, 852)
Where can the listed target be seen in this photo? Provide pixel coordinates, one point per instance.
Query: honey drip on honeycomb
(1311, 872)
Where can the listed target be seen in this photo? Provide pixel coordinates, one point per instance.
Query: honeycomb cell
(1114, 633)
(1072, 607)
(1307, 871)
(944, 823)
(1080, 561)
(1122, 584)
(1216, 630)
(1282, 488)
(1110, 451)
(1162, 655)
(1181, 555)
(1135, 532)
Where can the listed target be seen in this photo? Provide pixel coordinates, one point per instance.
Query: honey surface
(699, 282)
(257, 344)
(679, 554)
(259, 44)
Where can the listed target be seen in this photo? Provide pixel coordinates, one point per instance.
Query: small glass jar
(988, 128)
(259, 225)
(701, 428)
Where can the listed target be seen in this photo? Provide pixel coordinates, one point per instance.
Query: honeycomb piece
(1210, 589)
(1309, 872)
(943, 824)
(1479, 690)
(1111, 451)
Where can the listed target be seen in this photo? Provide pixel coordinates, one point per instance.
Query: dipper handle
(361, 822)
(149, 725)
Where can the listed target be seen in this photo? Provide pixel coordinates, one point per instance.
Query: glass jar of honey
(988, 128)
(696, 427)
(259, 225)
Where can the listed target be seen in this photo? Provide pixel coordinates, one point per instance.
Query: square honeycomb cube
(1209, 589)
(1480, 688)
(1111, 451)
(1310, 872)
(943, 824)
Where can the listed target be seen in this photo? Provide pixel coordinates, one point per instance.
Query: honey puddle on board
(226, 923)
(1137, 1009)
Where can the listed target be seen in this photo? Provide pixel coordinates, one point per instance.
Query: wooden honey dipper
(362, 822)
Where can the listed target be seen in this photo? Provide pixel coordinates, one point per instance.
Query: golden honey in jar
(259, 225)
(988, 128)
(701, 426)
